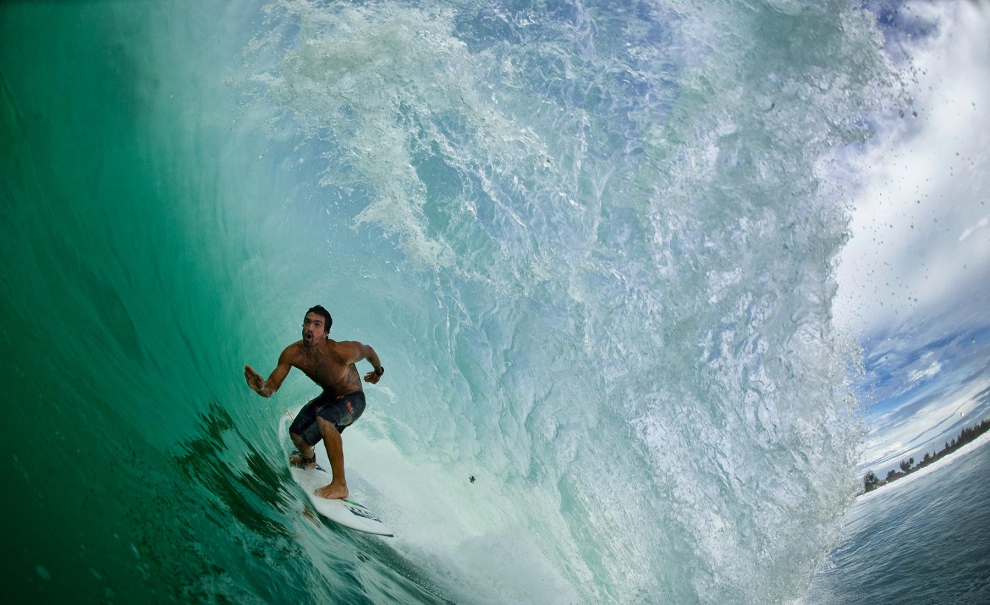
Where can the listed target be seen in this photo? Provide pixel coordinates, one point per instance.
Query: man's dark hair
(319, 310)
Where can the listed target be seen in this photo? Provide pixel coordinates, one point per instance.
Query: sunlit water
(592, 244)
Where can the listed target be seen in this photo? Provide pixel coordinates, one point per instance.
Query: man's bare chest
(326, 371)
(321, 368)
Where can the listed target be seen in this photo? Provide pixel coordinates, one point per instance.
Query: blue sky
(914, 279)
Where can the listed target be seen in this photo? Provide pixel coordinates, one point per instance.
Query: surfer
(329, 364)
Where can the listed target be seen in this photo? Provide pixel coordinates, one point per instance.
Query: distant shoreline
(944, 460)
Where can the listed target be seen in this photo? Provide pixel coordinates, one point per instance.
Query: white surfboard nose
(349, 513)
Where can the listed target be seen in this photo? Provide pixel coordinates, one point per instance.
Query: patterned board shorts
(339, 410)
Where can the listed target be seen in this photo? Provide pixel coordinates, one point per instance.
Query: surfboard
(348, 512)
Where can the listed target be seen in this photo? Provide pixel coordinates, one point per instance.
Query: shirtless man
(329, 364)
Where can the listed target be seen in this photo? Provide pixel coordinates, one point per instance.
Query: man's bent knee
(325, 425)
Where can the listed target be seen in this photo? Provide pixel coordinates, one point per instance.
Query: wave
(594, 246)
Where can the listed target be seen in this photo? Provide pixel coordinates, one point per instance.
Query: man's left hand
(373, 377)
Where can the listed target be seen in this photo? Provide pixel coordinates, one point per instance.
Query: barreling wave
(593, 244)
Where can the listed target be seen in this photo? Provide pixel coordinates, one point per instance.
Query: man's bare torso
(326, 366)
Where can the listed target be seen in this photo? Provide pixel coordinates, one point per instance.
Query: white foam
(617, 312)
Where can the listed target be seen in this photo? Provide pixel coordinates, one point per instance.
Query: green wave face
(136, 468)
(590, 243)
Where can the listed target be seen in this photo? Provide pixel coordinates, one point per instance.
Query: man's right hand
(254, 379)
(266, 388)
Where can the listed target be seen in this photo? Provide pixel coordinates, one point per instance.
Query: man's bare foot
(298, 461)
(332, 492)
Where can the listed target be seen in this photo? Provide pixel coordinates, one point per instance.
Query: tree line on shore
(871, 481)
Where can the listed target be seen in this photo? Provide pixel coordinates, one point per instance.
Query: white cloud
(926, 180)
(982, 224)
(895, 437)
(932, 370)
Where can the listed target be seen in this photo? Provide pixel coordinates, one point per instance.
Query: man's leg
(304, 424)
(305, 451)
(335, 451)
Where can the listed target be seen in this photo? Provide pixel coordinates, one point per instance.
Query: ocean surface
(921, 542)
(593, 244)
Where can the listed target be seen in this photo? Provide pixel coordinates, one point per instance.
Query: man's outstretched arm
(360, 352)
(266, 388)
(371, 356)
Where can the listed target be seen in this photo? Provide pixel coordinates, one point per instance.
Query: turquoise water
(593, 245)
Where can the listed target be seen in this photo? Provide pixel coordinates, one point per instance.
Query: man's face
(314, 329)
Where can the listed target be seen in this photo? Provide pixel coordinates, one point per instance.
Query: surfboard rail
(347, 512)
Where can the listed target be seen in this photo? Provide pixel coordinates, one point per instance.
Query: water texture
(924, 542)
(593, 244)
